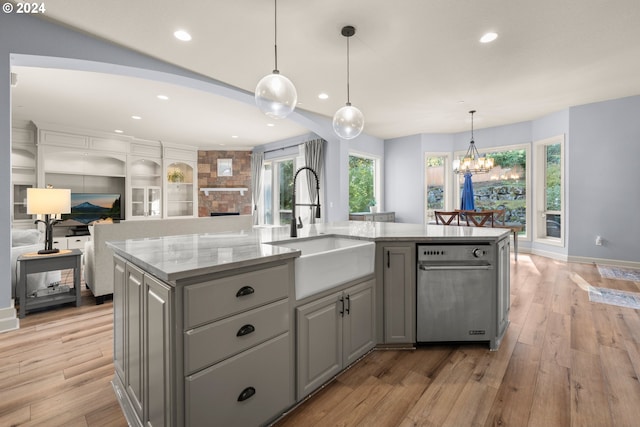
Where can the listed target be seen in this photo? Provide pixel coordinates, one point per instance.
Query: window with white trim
(437, 184)
(550, 190)
(364, 182)
(506, 186)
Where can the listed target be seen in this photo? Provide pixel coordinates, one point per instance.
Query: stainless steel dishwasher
(455, 299)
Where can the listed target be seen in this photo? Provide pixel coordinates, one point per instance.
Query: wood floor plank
(589, 400)
(623, 387)
(512, 405)
(551, 404)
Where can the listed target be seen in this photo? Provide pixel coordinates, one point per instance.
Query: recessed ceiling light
(136, 117)
(488, 37)
(270, 125)
(163, 97)
(182, 35)
(234, 136)
(118, 131)
(323, 96)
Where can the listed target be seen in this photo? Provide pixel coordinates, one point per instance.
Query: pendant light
(348, 121)
(472, 162)
(275, 95)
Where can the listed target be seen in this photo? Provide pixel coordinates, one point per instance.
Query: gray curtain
(257, 161)
(314, 158)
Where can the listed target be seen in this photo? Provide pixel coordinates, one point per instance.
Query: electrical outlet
(598, 241)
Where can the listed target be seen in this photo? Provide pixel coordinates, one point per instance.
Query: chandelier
(472, 162)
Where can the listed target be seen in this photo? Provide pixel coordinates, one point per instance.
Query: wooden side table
(34, 263)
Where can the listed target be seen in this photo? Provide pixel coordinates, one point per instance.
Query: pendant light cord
(275, 33)
(348, 98)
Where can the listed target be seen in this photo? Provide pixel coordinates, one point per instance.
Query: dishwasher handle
(424, 267)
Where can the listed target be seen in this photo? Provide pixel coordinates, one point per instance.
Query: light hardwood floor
(564, 362)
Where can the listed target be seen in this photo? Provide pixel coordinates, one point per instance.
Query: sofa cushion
(24, 237)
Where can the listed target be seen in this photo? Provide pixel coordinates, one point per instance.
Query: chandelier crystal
(275, 94)
(472, 162)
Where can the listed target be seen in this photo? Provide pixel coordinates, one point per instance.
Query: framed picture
(225, 167)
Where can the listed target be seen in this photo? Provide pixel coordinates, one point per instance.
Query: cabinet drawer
(222, 395)
(213, 300)
(77, 242)
(211, 343)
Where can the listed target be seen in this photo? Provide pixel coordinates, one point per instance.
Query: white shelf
(240, 189)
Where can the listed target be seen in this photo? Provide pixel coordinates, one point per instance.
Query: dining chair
(478, 219)
(499, 216)
(447, 217)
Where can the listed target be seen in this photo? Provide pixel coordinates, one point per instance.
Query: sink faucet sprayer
(294, 226)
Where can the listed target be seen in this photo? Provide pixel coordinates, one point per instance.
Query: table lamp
(48, 202)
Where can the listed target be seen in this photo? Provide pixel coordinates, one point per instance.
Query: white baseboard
(548, 254)
(8, 319)
(604, 261)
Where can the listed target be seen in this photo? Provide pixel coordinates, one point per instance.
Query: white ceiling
(416, 65)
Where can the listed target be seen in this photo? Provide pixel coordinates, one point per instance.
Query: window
(549, 190)
(437, 184)
(364, 182)
(278, 175)
(505, 186)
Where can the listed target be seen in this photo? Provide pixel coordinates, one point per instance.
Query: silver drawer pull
(244, 291)
(245, 330)
(246, 394)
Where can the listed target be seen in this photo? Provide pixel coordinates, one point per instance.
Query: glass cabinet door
(179, 189)
(153, 197)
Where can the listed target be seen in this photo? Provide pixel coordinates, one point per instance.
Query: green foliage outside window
(361, 183)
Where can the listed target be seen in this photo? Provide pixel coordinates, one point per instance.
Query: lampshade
(348, 121)
(47, 201)
(275, 95)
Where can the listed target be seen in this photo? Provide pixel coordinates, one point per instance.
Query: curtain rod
(282, 148)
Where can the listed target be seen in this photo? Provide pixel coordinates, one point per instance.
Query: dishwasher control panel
(453, 252)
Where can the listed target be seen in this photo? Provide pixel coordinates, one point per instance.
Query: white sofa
(98, 258)
(22, 242)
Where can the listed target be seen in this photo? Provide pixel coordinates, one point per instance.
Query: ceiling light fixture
(348, 121)
(488, 37)
(472, 162)
(163, 97)
(275, 95)
(323, 96)
(182, 35)
(136, 117)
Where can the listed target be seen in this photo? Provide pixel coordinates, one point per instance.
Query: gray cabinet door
(158, 354)
(503, 291)
(359, 321)
(119, 318)
(319, 343)
(134, 367)
(399, 294)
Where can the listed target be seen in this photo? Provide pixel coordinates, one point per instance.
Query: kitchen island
(209, 330)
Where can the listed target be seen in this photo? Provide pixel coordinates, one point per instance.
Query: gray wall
(604, 194)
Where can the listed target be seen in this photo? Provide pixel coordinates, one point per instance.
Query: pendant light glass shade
(348, 121)
(275, 95)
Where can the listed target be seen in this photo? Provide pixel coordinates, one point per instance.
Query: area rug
(609, 272)
(614, 297)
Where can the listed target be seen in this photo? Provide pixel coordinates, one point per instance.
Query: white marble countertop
(173, 258)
